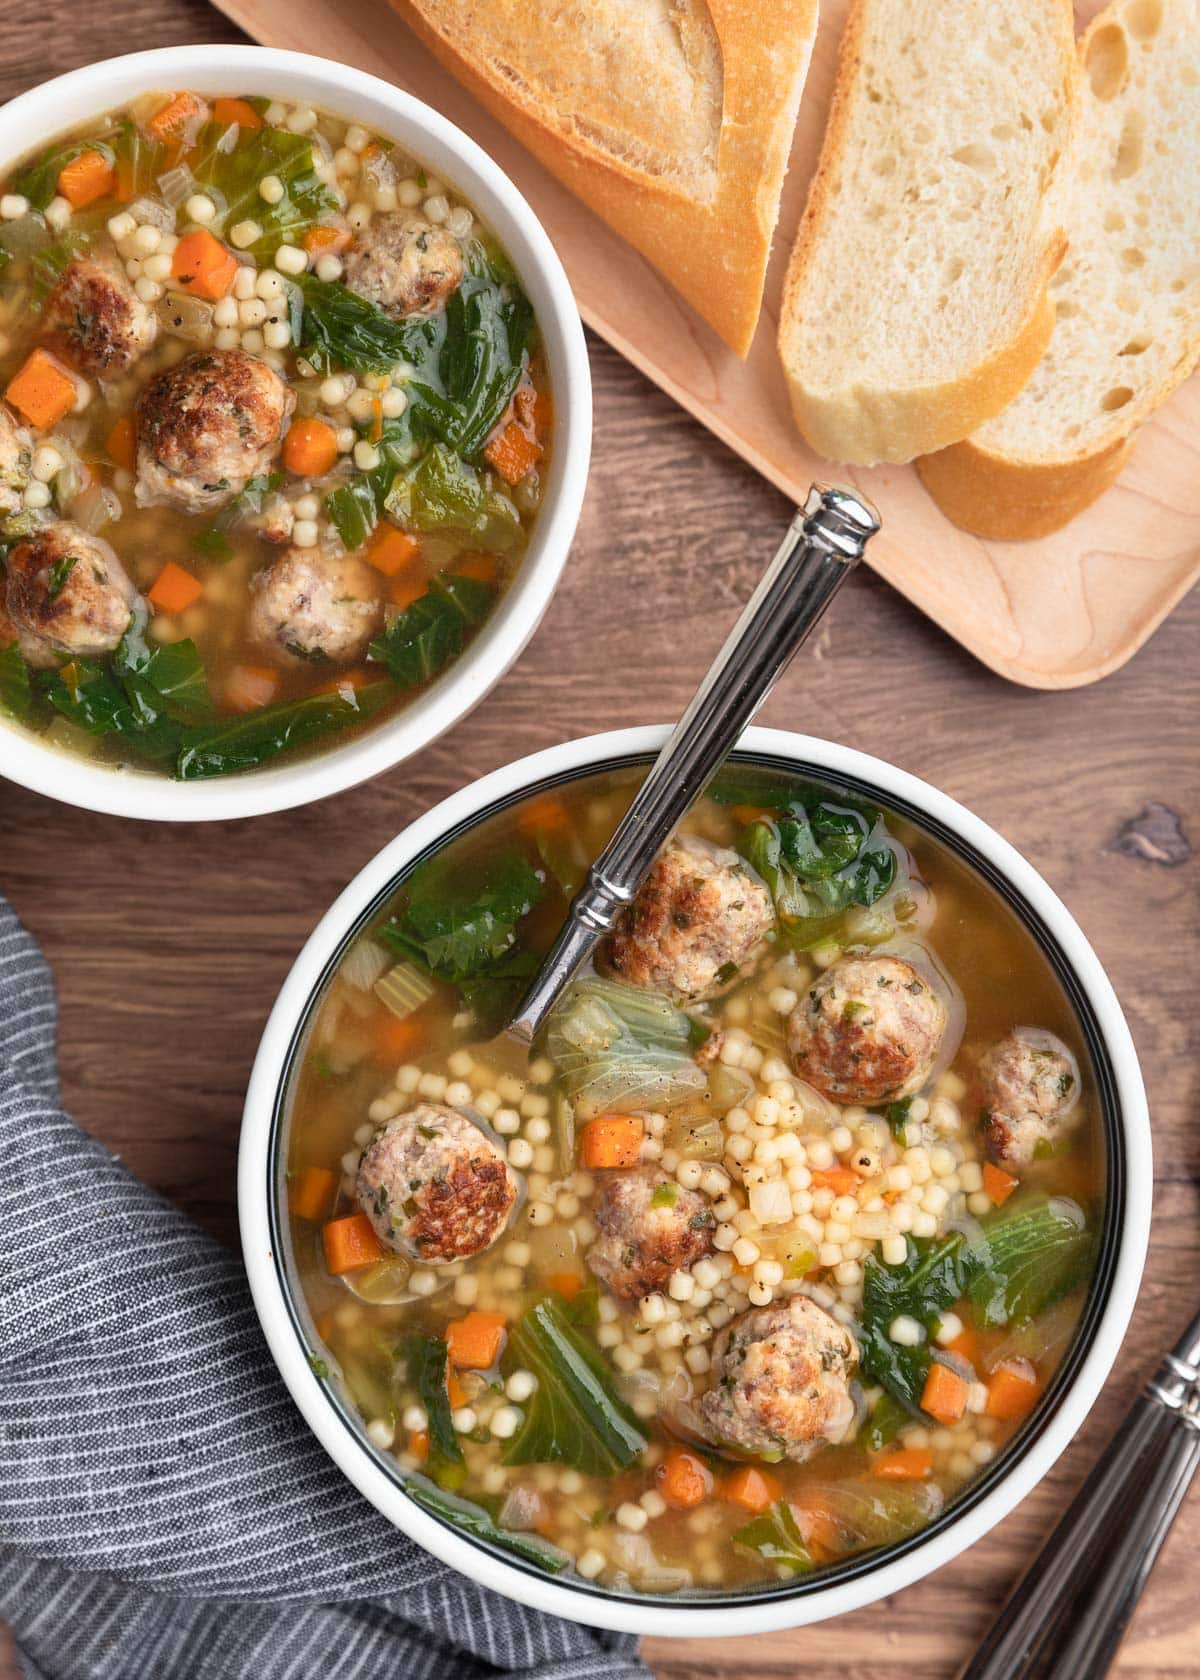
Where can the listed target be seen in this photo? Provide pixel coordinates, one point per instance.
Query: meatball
(16, 452)
(67, 594)
(96, 319)
(781, 1382)
(434, 1186)
(699, 915)
(306, 605)
(207, 425)
(868, 1031)
(650, 1226)
(1030, 1094)
(405, 265)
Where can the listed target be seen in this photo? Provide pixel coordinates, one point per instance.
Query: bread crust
(865, 424)
(715, 253)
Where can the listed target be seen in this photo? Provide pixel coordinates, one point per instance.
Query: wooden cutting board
(1055, 613)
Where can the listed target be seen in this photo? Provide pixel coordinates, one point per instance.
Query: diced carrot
(751, 1488)
(248, 687)
(823, 1534)
(418, 1443)
(311, 1192)
(611, 1140)
(749, 813)
(533, 408)
(966, 1344)
(566, 1284)
(310, 448)
(405, 590)
(373, 150)
(904, 1464)
(1012, 1390)
(547, 814)
(350, 1243)
(944, 1396)
(397, 1038)
(512, 453)
(327, 241)
(174, 590)
(998, 1184)
(355, 679)
(170, 120)
(42, 389)
(391, 550)
(481, 567)
(455, 1392)
(841, 1180)
(121, 442)
(475, 1341)
(684, 1480)
(203, 266)
(86, 178)
(376, 431)
(239, 111)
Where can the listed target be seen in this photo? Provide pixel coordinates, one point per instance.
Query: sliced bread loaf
(915, 305)
(1128, 295)
(672, 119)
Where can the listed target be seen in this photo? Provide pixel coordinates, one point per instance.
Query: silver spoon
(824, 542)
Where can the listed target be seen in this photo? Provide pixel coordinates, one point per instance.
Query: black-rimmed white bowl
(1017, 1469)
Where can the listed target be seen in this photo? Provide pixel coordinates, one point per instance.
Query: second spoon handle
(823, 544)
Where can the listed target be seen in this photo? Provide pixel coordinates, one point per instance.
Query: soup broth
(275, 427)
(804, 1186)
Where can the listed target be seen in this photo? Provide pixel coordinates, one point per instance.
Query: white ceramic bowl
(43, 113)
(1040, 1441)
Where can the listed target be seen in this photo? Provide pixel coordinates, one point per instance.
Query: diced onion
(94, 508)
(365, 963)
(177, 185)
(154, 211)
(186, 317)
(771, 1201)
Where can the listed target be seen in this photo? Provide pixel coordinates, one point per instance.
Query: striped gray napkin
(164, 1512)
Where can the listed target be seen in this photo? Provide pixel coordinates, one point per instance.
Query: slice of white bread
(916, 301)
(1128, 294)
(672, 119)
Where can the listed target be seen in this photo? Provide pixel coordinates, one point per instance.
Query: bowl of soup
(782, 1267)
(294, 430)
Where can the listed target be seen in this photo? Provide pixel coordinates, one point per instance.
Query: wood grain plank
(1057, 613)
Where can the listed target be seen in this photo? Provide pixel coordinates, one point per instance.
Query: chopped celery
(404, 989)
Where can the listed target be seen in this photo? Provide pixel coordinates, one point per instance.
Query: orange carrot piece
(751, 1488)
(843, 1181)
(355, 679)
(904, 1464)
(455, 1392)
(403, 590)
(121, 442)
(311, 1193)
(350, 1243)
(170, 120)
(481, 567)
(86, 178)
(391, 550)
(174, 590)
(944, 1396)
(1012, 1390)
(239, 111)
(547, 814)
(310, 448)
(749, 813)
(611, 1140)
(512, 453)
(398, 1038)
(475, 1341)
(998, 1184)
(250, 686)
(567, 1284)
(203, 266)
(42, 389)
(326, 241)
(684, 1480)
(376, 419)
(965, 1344)
(418, 1443)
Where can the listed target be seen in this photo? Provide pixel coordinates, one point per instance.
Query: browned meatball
(96, 319)
(1030, 1095)
(207, 425)
(781, 1382)
(309, 606)
(868, 1030)
(434, 1186)
(699, 916)
(16, 452)
(67, 595)
(649, 1226)
(404, 264)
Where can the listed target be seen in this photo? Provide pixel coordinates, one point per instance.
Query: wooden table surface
(169, 943)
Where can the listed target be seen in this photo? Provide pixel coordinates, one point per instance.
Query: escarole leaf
(340, 329)
(925, 1284)
(479, 1523)
(16, 689)
(38, 181)
(233, 165)
(427, 1358)
(620, 1047)
(866, 1511)
(424, 639)
(575, 1415)
(777, 1539)
(1035, 1255)
(819, 860)
(440, 492)
(230, 744)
